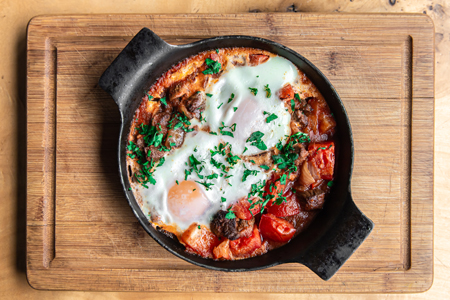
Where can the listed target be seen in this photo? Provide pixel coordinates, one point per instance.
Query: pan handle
(328, 255)
(131, 67)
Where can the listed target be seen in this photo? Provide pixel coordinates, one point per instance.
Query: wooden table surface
(14, 16)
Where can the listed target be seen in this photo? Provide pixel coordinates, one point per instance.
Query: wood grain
(81, 233)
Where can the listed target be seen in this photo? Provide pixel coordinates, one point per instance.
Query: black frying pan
(336, 232)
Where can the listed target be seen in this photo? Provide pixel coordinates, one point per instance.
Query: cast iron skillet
(337, 230)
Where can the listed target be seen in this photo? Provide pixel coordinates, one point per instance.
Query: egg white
(248, 117)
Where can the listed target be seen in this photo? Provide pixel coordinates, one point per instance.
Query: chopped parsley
(231, 98)
(258, 190)
(178, 125)
(220, 105)
(212, 176)
(264, 167)
(283, 179)
(218, 165)
(161, 161)
(151, 137)
(229, 133)
(205, 184)
(217, 51)
(271, 117)
(247, 173)
(287, 156)
(163, 100)
(213, 67)
(145, 174)
(292, 104)
(232, 159)
(150, 97)
(254, 91)
(230, 215)
(330, 183)
(235, 108)
(268, 92)
(223, 199)
(213, 133)
(245, 149)
(219, 150)
(323, 148)
(255, 140)
(199, 227)
(195, 166)
(180, 121)
(297, 96)
(209, 95)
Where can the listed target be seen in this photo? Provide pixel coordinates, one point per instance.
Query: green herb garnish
(230, 215)
(213, 67)
(247, 173)
(231, 98)
(206, 184)
(286, 158)
(255, 140)
(254, 91)
(268, 92)
(271, 117)
(283, 179)
(229, 133)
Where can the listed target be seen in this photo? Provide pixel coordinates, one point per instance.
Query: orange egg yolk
(186, 201)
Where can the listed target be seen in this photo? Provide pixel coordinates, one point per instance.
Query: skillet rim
(155, 234)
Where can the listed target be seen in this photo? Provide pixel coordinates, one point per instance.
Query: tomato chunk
(256, 59)
(200, 240)
(276, 229)
(222, 250)
(321, 124)
(289, 208)
(286, 92)
(245, 246)
(322, 157)
(242, 208)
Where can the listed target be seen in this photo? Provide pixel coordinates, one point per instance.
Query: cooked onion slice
(305, 178)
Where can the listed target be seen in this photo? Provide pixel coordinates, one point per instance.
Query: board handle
(129, 69)
(350, 230)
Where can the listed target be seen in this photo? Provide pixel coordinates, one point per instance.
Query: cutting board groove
(81, 234)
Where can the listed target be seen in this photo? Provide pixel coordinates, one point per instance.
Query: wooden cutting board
(81, 233)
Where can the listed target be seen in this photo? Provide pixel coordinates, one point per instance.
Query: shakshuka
(231, 152)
